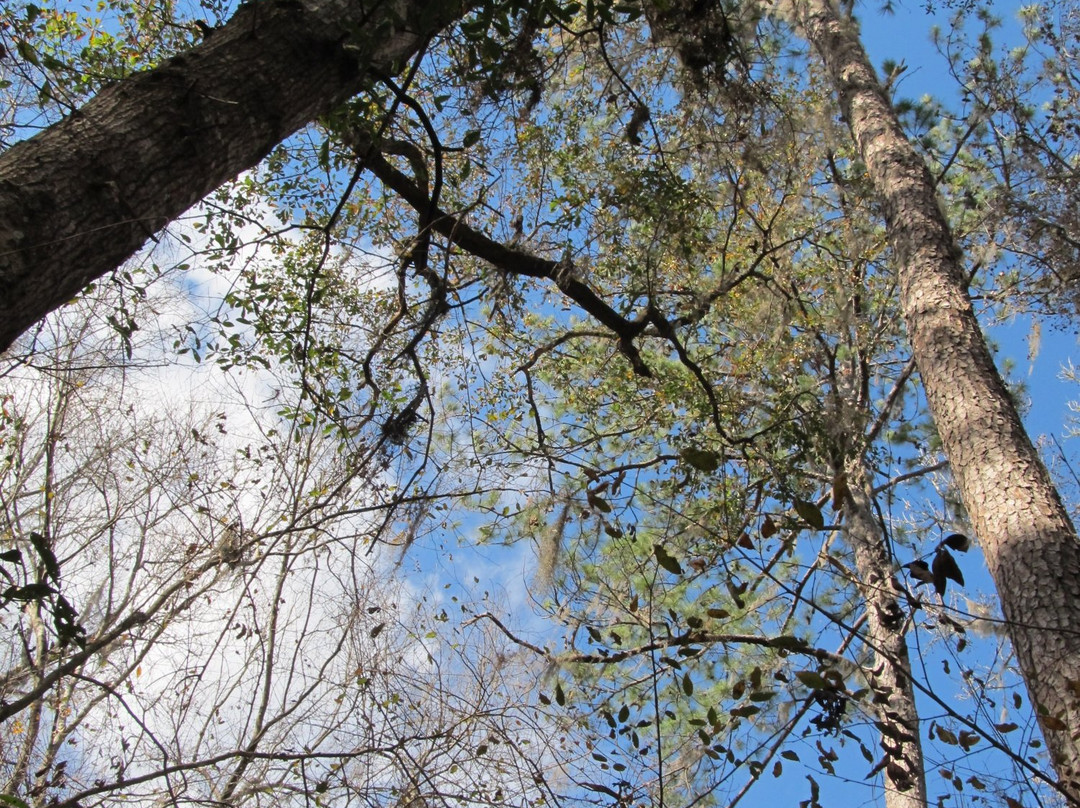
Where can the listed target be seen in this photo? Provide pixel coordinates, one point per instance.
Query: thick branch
(507, 259)
(83, 196)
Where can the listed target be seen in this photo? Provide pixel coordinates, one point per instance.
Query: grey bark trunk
(890, 671)
(1029, 542)
(83, 196)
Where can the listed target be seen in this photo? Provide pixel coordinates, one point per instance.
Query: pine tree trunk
(890, 672)
(84, 195)
(1029, 542)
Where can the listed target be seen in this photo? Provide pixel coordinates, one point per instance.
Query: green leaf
(27, 52)
(810, 513)
(813, 680)
(666, 561)
(687, 685)
(472, 137)
(701, 459)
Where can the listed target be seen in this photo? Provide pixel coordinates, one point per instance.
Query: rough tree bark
(84, 195)
(1029, 542)
(886, 635)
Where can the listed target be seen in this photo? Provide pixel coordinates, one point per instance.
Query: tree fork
(81, 197)
(1030, 544)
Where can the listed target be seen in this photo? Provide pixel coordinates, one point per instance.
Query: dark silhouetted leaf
(745, 712)
(736, 591)
(958, 542)
(968, 740)
(1052, 722)
(597, 502)
(945, 568)
(920, 571)
(11, 555)
(899, 775)
(768, 527)
(41, 545)
(687, 685)
(28, 592)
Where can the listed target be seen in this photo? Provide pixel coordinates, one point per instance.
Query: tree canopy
(682, 296)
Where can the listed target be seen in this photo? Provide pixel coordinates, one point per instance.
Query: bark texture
(886, 635)
(83, 196)
(1029, 542)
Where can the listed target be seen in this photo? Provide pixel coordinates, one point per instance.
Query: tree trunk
(1029, 542)
(890, 672)
(84, 195)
